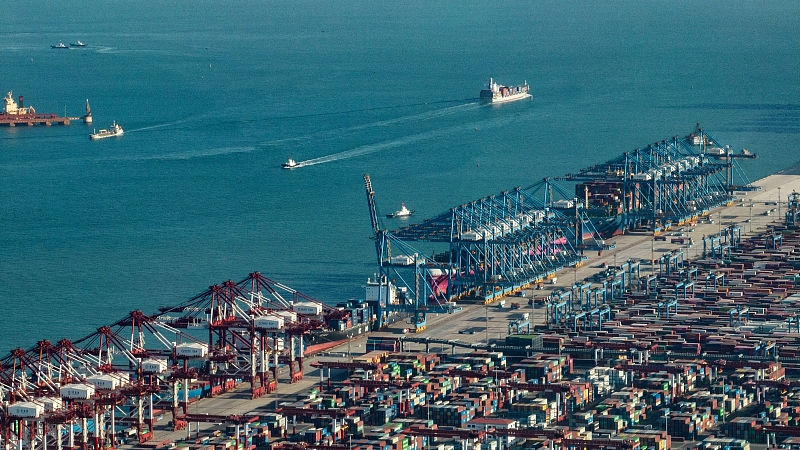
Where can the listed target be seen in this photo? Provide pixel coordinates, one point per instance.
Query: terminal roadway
(477, 323)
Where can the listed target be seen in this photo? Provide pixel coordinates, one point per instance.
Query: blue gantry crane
(500, 244)
(407, 282)
(666, 183)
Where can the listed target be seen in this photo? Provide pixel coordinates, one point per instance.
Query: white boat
(496, 93)
(290, 164)
(402, 212)
(78, 44)
(115, 130)
(60, 45)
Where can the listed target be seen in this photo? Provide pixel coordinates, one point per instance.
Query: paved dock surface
(476, 323)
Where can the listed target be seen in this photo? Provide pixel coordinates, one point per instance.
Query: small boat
(290, 164)
(60, 45)
(78, 44)
(115, 130)
(402, 212)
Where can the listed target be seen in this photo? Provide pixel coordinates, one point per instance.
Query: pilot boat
(402, 212)
(115, 130)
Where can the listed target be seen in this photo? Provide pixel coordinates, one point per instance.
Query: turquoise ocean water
(215, 95)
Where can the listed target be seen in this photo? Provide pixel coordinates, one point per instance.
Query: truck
(501, 304)
(515, 306)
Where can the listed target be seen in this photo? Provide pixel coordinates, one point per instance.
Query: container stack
(653, 439)
(444, 413)
(747, 428)
(545, 368)
(714, 443)
(542, 411)
(606, 380)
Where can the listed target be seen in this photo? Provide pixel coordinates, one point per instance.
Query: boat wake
(406, 140)
(352, 130)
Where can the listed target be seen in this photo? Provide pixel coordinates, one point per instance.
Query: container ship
(496, 93)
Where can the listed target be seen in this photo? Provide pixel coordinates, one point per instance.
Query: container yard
(692, 341)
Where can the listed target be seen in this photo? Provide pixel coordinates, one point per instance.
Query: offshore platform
(498, 245)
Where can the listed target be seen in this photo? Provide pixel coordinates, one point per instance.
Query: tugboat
(496, 93)
(78, 44)
(290, 164)
(402, 212)
(60, 45)
(115, 130)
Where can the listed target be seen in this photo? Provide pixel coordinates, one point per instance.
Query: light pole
(779, 203)
(487, 324)
(653, 256)
(751, 216)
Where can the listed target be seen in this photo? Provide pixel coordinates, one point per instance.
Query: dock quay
(16, 114)
(36, 119)
(691, 341)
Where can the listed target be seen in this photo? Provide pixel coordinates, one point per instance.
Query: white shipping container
(50, 403)
(191, 350)
(268, 323)
(25, 410)
(288, 316)
(122, 377)
(103, 381)
(154, 366)
(77, 391)
(471, 236)
(401, 260)
(308, 309)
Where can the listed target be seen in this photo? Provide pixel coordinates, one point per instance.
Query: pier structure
(16, 114)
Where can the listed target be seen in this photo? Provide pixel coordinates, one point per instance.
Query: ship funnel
(21, 104)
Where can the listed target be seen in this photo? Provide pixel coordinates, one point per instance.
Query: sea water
(215, 95)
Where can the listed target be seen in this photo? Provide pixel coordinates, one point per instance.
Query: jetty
(16, 114)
